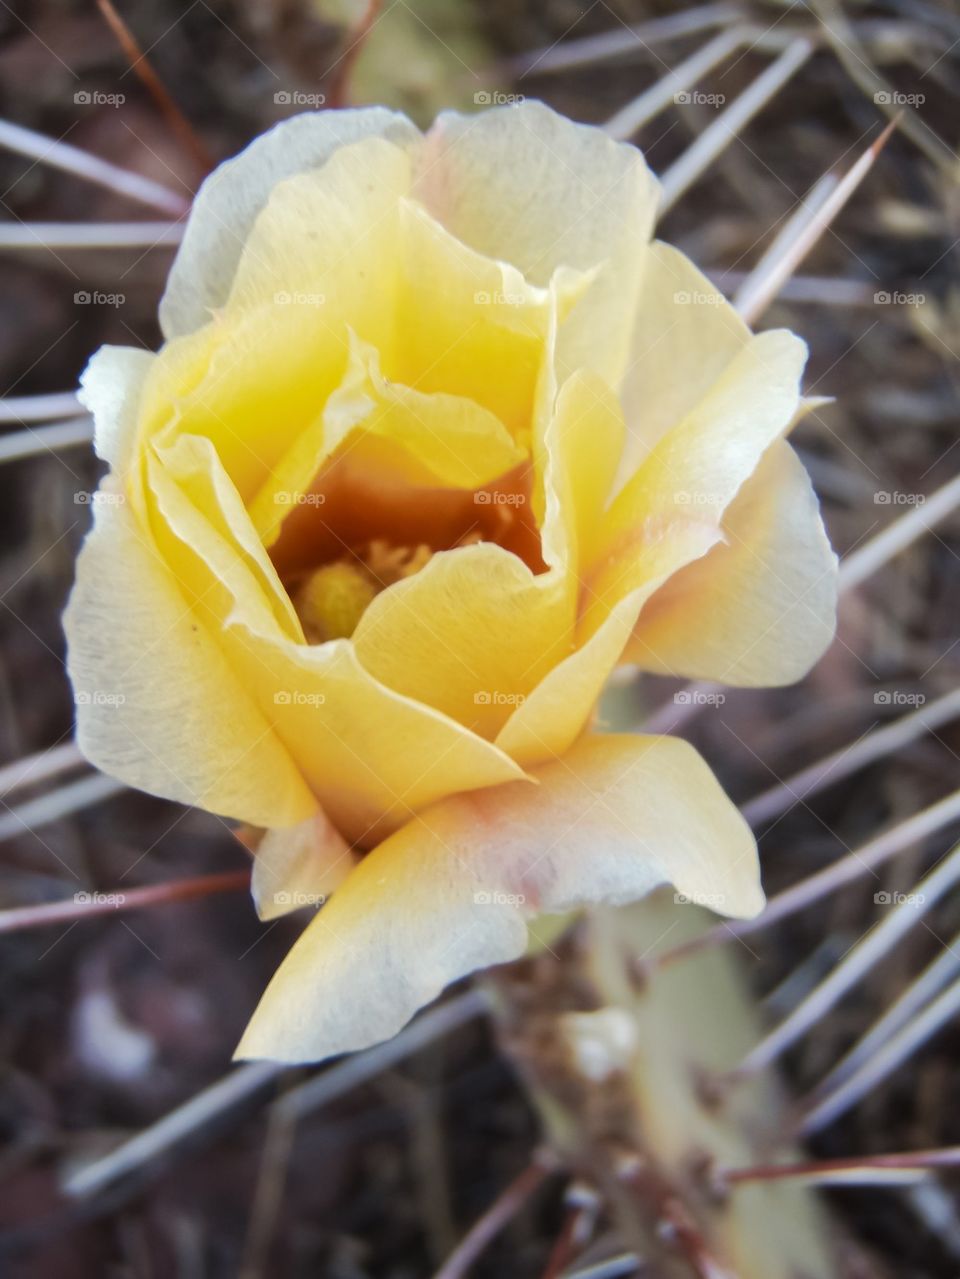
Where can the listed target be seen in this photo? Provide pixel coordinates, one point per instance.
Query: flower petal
(330, 240)
(759, 609)
(694, 470)
(231, 197)
(265, 365)
(192, 461)
(371, 755)
(686, 334)
(389, 430)
(583, 442)
(475, 632)
(452, 890)
(470, 634)
(524, 184)
(456, 442)
(157, 704)
(111, 387)
(299, 866)
(470, 324)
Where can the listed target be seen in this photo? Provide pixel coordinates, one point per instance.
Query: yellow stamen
(331, 601)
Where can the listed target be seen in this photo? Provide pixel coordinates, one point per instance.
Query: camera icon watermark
(897, 298)
(698, 697)
(494, 98)
(84, 297)
(296, 900)
(98, 697)
(694, 98)
(886, 497)
(297, 697)
(712, 901)
(690, 497)
(99, 899)
(492, 697)
(898, 697)
(487, 897)
(292, 497)
(296, 98)
(94, 98)
(483, 297)
(892, 98)
(697, 297)
(492, 497)
(898, 899)
(283, 298)
(98, 497)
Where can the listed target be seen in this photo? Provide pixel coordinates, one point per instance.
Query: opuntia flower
(437, 438)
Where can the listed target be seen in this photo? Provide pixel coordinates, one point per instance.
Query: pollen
(331, 601)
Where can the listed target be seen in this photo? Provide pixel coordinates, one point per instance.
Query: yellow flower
(437, 438)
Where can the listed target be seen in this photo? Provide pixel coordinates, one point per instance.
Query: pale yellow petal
(371, 755)
(111, 387)
(158, 704)
(320, 258)
(452, 891)
(475, 632)
(230, 199)
(760, 608)
(524, 184)
(456, 442)
(470, 634)
(192, 462)
(468, 324)
(329, 241)
(582, 447)
(685, 336)
(441, 318)
(695, 469)
(553, 715)
(299, 866)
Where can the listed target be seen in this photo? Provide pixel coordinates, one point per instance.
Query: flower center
(357, 532)
(330, 600)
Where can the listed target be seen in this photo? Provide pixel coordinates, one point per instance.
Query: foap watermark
(898, 697)
(484, 298)
(897, 298)
(494, 98)
(297, 98)
(95, 98)
(488, 497)
(490, 897)
(488, 697)
(689, 497)
(697, 297)
(99, 697)
(694, 98)
(712, 901)
(698, 697)
(98, 497)
(297, 697)
(295, 900)
(886, 497)
(898, 899)
(99, 899)
(85, 297)
(288, 497)
(893, 98)
(283, 298)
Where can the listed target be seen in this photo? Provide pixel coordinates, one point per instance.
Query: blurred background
(110, 1022)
